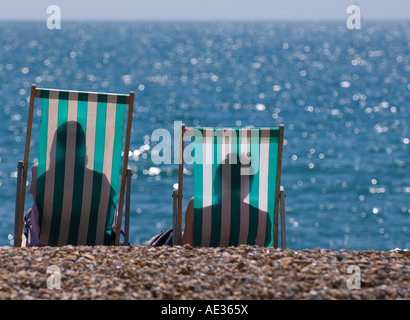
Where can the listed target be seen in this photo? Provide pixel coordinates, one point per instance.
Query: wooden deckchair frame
(280, 194)
(23, 168)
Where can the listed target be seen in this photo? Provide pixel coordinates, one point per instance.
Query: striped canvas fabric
(236, 186)
(79, 163)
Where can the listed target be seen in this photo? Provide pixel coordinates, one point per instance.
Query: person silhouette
(68, 196)
(243, 200)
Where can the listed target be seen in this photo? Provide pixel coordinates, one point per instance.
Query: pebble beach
(184, 272)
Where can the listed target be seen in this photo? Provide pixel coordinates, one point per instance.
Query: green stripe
(115, 171)
(273, 170)
(235, 190)
(44, 94)
(254, 187)
(121, 99)
(98, 167)
(216, 189)
(198, 188)
(61, 141)
(42, 155)
(79, 169)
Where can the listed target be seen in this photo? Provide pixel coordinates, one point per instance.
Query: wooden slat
(25, 165)
(180, 184)
(279, 170)
(17, 211)
(124, 166)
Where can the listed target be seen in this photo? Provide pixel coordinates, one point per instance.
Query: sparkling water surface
(343, 96)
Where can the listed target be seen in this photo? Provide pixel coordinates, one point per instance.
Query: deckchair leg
(175, 217)
(17, 236)
(282, 217)
(127, 209)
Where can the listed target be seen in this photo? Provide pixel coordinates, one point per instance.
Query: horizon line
(205, 20)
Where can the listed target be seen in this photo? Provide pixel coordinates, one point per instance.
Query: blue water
(342, 94)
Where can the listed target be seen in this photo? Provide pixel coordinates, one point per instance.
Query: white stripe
(244, 151)
(107, 167)
(88, 169)
(50, 166)
(226, 188)
(263, 187)
(207, 187)
(69, 168)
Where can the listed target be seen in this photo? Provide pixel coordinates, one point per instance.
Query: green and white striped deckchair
(236, 186)
(79, 165)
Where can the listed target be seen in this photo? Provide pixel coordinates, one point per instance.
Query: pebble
(186, 272)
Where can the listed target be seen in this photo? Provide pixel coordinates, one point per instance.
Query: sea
(342, 94)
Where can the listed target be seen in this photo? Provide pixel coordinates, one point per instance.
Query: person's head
(232, 166)
(70, 132)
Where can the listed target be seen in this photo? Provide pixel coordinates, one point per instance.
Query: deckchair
(81, 137)
(236, 187)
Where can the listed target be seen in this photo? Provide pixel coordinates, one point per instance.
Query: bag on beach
(27, 222)
(162, 239)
